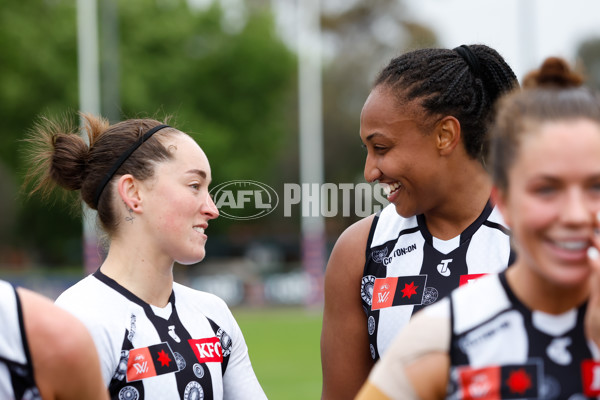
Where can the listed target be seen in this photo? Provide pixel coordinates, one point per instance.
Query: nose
(209, 208)
(371, 172)
(576, 210)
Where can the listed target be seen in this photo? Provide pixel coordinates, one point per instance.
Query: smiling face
(176, 202)
(400, 156)
(552, 197)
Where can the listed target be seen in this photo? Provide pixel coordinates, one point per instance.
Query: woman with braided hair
(156, 339)
(533, 330)
(424, 126)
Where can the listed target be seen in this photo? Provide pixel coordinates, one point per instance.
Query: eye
(545, 190)
(195, 186)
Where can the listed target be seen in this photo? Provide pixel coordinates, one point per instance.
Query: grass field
(284, 350)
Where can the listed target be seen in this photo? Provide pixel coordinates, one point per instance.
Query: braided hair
(464, 82)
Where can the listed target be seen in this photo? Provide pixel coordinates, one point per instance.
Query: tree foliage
(228, 89)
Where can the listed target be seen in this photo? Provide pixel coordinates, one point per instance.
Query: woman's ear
(448, 135)
(499, 199)
(129, 191)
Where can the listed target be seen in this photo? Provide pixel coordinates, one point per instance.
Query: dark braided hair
(445, 83)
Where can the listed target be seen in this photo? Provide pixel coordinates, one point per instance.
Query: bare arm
(65, 362)
(345, 355)
(417, 364)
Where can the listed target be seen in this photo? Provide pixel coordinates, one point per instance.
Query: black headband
(122, 159)
(472, 60)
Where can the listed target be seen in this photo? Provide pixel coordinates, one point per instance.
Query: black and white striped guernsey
(190, 349)
(406, 268)
(500, 349)
(16, 369)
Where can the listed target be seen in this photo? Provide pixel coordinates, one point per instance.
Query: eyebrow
(199, 172)
(372, 135)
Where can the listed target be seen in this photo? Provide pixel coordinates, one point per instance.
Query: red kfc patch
(207, 350)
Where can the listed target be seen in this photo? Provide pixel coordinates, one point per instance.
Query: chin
(404, 213)
(191, 260)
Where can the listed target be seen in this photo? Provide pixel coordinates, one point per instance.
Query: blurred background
(249, 80)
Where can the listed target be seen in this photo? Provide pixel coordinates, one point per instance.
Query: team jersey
(406, 268)
(190, 349)
(500, 349)
(16, 371)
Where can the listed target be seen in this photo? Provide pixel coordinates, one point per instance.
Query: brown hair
(554, 92)
(60, 156)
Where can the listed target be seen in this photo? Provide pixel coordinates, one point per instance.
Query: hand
(592, 315)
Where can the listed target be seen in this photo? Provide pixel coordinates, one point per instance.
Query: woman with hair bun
(149, 182)
(533, 330)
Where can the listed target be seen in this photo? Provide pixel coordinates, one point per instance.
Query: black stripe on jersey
(370, 237)
(495, 225)
(22, 376)
(181, 348)
(118, 381)
(379, 271)
(225, 343)
(466, 234)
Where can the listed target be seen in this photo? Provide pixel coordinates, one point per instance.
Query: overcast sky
(523, 31)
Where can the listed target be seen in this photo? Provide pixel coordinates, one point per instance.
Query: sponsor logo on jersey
(480, 336)
(469, 278)
(500, 382)
(398, 291)
(173, 334)
(590, 375)
(443, 268)
(366, 288)
(207, 350)
(226, 342)
(371, 325)
(193, 390)
(430, 296)
(146, 362)
(129, 393)
(379, 255)
(398, 253)
(557, 351)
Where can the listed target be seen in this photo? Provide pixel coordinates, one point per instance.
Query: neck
(140, 273)
(467, 195)
(538, 293)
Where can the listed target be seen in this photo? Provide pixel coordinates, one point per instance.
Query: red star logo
(519, 381)
(409, 290)
(163, 358)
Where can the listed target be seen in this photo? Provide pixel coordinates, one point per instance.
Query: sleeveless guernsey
(407, 268)
(16, 370)
(502, 350)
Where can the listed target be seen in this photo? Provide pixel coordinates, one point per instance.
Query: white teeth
(199, 229)
(579, 245)
(390, 188)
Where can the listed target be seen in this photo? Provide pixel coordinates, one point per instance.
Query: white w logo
(141, 368)
(382, 297)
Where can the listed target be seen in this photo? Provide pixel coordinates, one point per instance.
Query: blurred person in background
(533, 330)
(149, 182)
(45, 352)
(424, 126)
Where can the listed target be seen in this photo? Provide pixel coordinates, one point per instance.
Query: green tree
(230, 89)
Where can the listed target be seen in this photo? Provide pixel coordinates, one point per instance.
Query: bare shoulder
(63, 353)
(345, 356)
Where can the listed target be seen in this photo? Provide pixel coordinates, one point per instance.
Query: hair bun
(554, 72)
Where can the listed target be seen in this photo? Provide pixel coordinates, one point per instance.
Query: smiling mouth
(199, 229)
(390, 188)
(576, 245)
